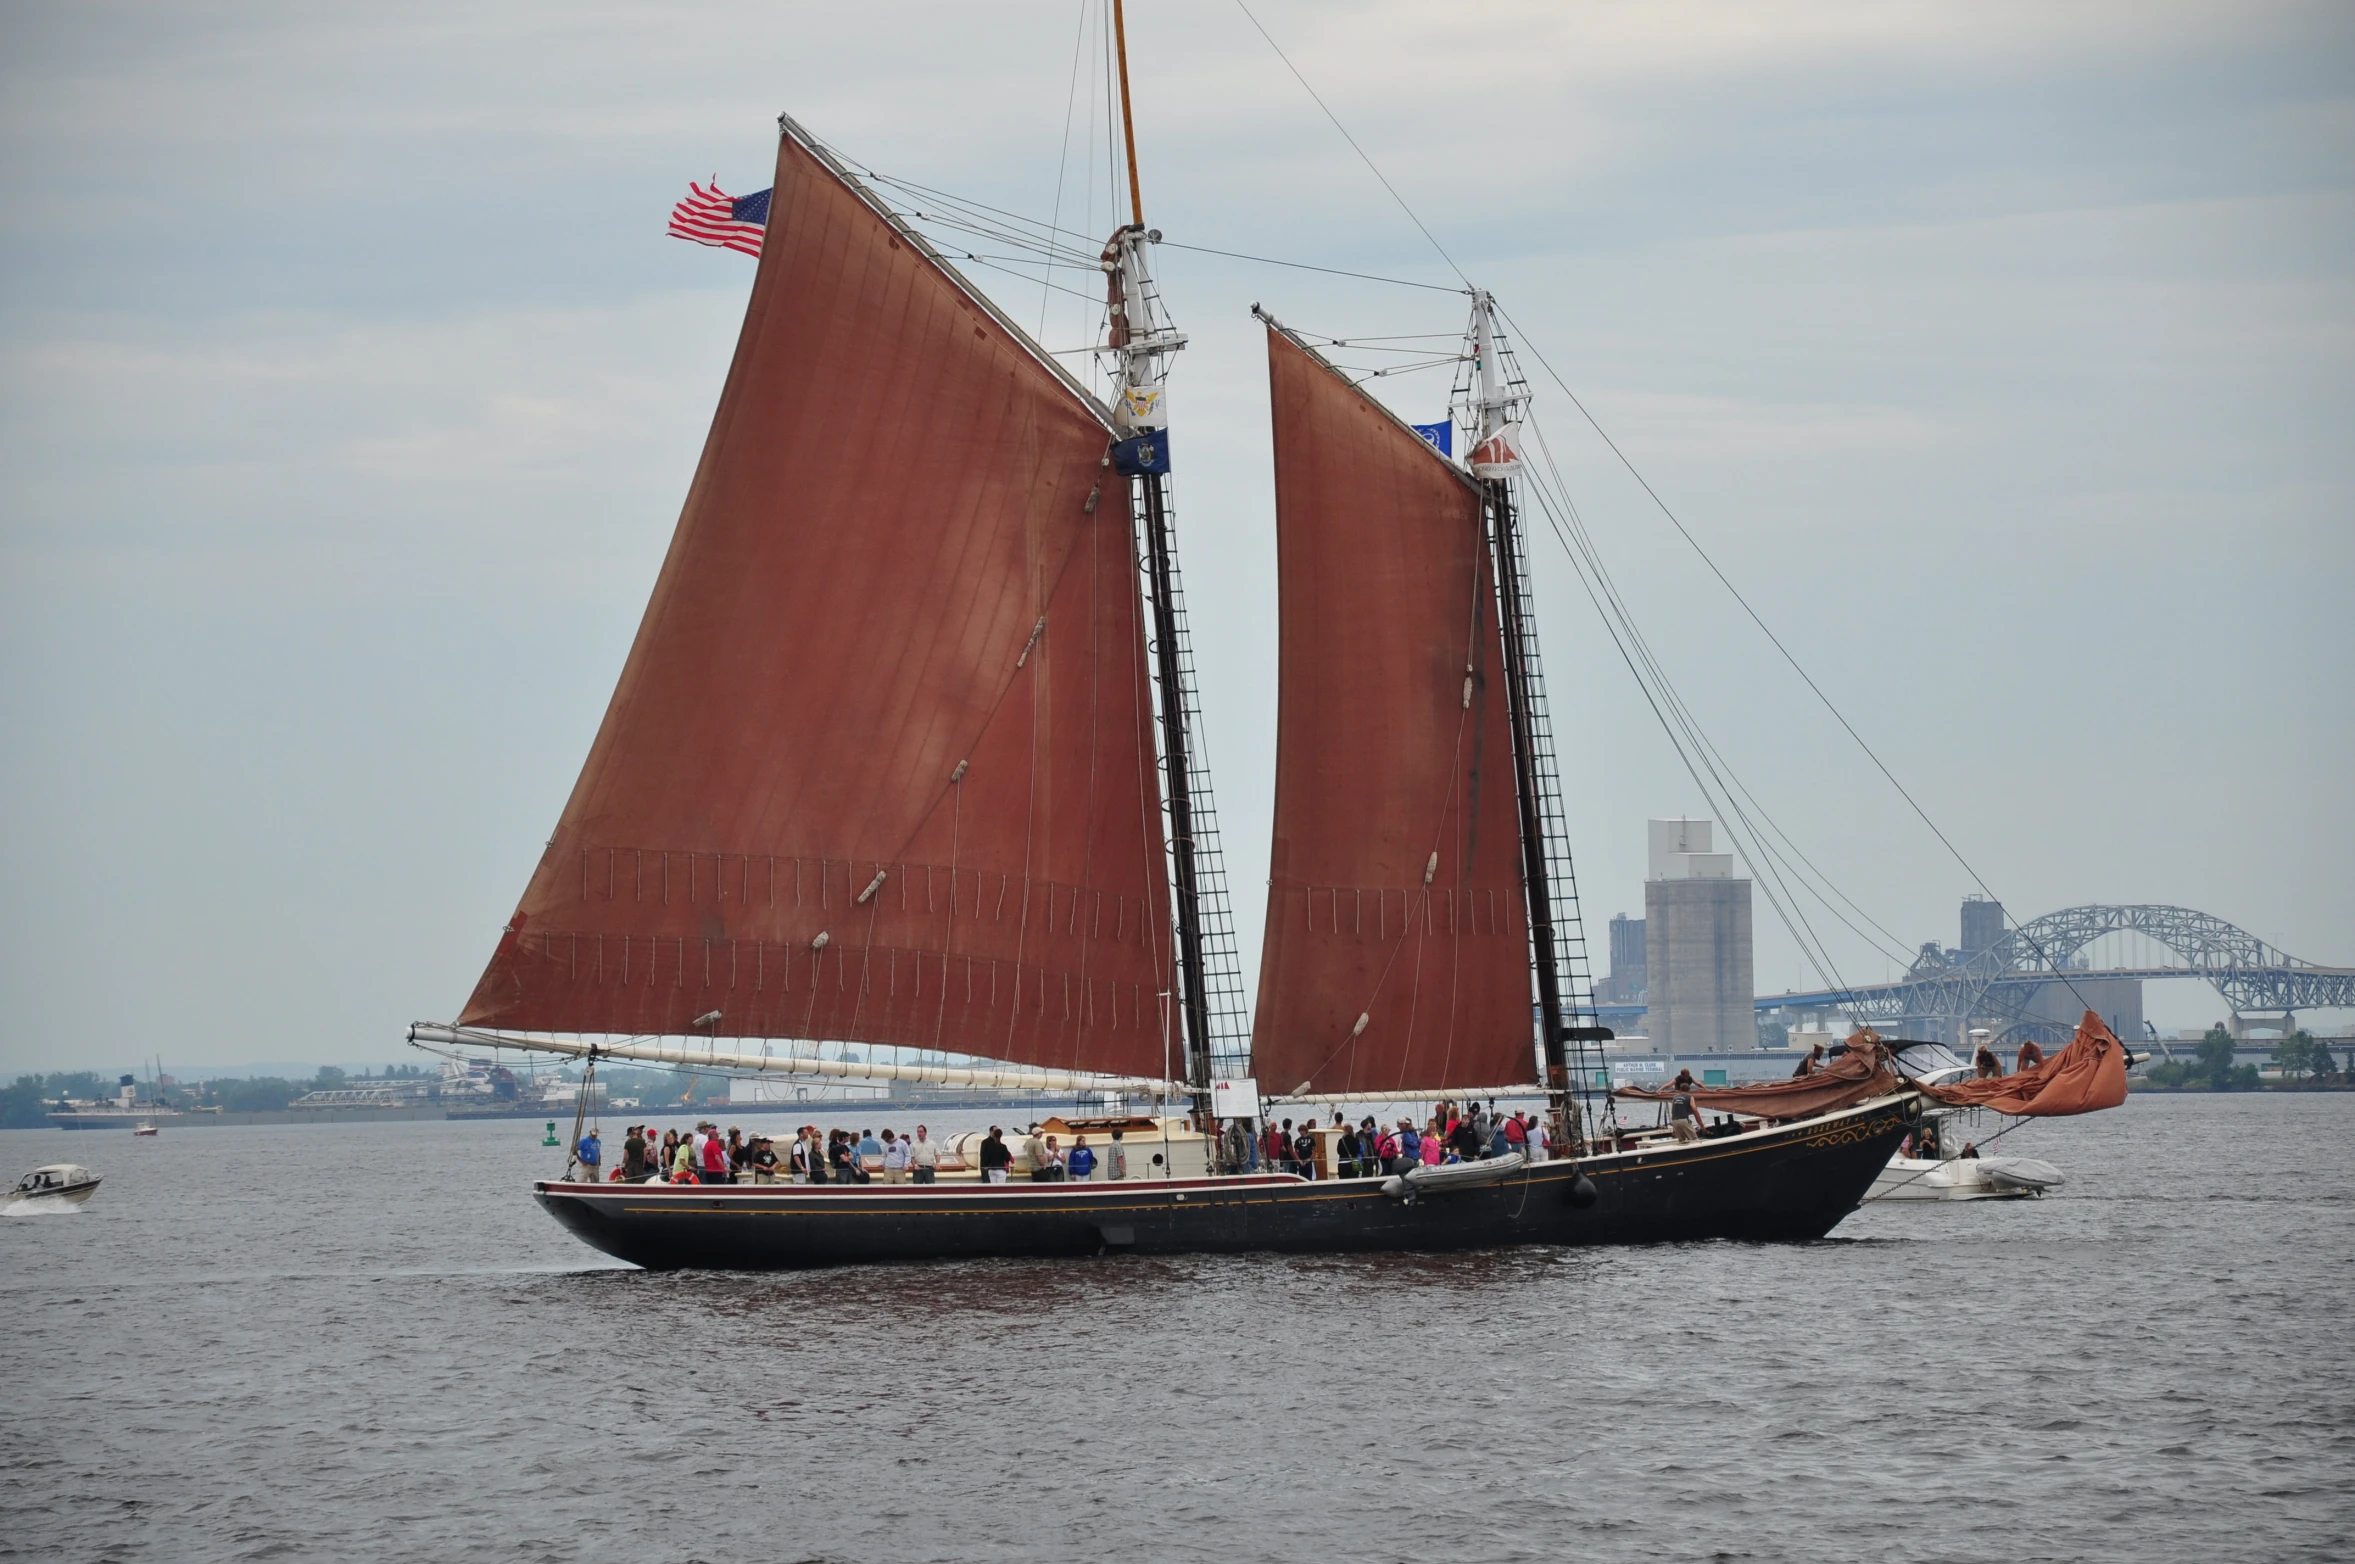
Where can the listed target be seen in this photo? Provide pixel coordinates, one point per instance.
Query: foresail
(879, 766)
(1397, 946)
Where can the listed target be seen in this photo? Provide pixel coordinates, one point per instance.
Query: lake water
(368, 1343)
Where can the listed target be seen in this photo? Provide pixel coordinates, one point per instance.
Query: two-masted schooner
(903, 754)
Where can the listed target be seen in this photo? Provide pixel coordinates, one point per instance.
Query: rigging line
(1069, 266)
(1063, 158)
(1370, 345)
(1023, 276)
(1054, 254)
(1769, 871)
(1394, 369)
(1733, 778)
(1777, 642)
(1644, 686)
(1772, 867)
(1353, 146)
(934, 192)
(1403, 336)
(1331, 271)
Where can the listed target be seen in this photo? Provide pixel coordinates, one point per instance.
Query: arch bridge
(2023, 981)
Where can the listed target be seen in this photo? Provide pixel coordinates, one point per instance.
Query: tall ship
(906, 753)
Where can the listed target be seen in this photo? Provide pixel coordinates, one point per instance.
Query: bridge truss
(2001, 984)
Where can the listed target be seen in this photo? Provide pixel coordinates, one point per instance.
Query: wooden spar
(1013, 1079)
(1128, 123)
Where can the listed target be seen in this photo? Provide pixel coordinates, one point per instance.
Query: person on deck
(715, 1159)
(1812, 1063)
(841, 1158)
(1115, 1160)
(870, 1153)
(1984, 1063)
(1970, 1151)
(1410, 1145)
(683, 1161)
(2030, 1055)
(739, 1151)
(1539, 1140)
(763, 1161)
(996, 1157)
(1682, 1115)
(1304, 1150)
(1433, 1150)
(1034, 1152)
(1684, 1081)
(923, 1156)
(1345, 1148)
(590, 1150)
(1053, 1170)
(1081, 1164)
(633, 1154)
(895, 1159)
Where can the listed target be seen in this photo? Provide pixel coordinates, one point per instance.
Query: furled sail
(880, 764)
(1859, 1073)
(2085, 1077)
(1397, 945)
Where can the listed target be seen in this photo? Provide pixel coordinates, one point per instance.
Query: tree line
(2214, 1064)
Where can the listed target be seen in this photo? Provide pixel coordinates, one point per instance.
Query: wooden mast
(1128, 123)
(1510, 594)
(1193, 988)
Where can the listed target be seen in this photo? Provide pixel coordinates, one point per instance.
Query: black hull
(1794, 1182)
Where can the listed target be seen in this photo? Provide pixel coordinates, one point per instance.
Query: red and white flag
(711, 216)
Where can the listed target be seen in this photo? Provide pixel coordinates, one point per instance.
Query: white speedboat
(1940, 1173)
(63, 1181)
(1964, 1178)
(144, 1127)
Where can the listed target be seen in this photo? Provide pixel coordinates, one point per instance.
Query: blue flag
(1442, 435)
(1147, 452)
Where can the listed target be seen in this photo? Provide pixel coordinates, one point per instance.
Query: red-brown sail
(2085, 1077)
(879, 766)
(1394, 883)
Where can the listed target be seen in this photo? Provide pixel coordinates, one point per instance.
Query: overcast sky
(2000, 353)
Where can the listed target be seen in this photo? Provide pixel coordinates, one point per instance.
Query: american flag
(710, 215)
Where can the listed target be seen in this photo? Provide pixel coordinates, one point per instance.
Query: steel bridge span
(2026, 983)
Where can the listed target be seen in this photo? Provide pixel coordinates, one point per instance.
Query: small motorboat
(144, 1127)
(1964, 1178)
(60, 1181)
(1438, 1180)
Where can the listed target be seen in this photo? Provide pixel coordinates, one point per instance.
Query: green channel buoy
(551, 1140)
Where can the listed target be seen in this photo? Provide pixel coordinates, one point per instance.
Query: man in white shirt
(1540, 1139)
(923, 1156)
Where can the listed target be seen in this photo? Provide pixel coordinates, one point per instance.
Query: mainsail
(880, 765)
(1397, 945)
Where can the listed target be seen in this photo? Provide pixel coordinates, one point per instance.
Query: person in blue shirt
(590, 1153)
(1081, 1164)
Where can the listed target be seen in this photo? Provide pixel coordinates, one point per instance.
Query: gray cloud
(348, 390)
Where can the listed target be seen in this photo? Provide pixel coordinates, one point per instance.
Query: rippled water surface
(368, 1343)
